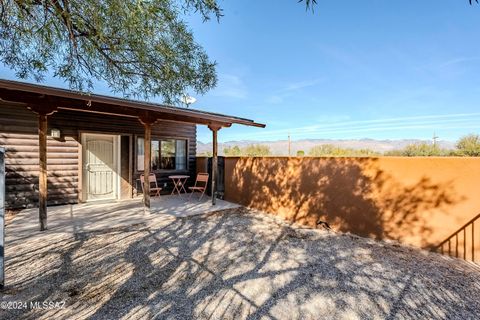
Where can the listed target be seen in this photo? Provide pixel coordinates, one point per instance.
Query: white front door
(100, 166)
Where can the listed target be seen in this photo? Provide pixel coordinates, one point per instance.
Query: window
(167, 154)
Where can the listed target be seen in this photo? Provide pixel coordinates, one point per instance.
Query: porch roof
(27, 93)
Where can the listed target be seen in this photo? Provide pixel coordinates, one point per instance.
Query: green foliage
(394, 153)
(139, 48)
(309, 3)
(329, 150)
(232, 151)
(300, 153)
(256, 150)
(206, 154)
(469, 146)
(420, 150)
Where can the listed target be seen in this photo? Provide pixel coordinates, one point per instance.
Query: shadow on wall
(21, 173)
(352, 195)
(22, 189)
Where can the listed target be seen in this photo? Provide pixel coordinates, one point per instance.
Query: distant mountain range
(280, 147)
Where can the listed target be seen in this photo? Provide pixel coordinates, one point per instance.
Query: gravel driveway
(233, 265)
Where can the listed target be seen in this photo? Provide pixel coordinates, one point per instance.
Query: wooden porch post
(43, 111)
(42, 178)
(214, 161)
(146, 163)
(147, 120)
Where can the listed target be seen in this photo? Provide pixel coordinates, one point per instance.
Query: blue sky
(354, 69)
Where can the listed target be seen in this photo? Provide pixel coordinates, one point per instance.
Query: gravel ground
(231, 265)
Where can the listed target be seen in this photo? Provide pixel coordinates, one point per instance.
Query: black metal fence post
(220, 180)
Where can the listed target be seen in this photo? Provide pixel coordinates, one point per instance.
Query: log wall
(18, 134)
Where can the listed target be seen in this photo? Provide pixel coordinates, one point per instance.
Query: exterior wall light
(55, 133)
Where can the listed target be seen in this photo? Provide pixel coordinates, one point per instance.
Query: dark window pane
(155, 156)
(167, 154)
(140, 154)
(181, 155)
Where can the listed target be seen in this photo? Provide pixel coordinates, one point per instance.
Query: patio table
(179, 183)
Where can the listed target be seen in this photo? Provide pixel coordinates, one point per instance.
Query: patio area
(98, 216)
(232, 264)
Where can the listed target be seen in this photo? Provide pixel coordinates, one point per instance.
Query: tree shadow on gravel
(236, 265)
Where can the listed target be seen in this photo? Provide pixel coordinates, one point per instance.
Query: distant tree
(139, 48)
(323, 150)
(394, 153)
(206, 154)
(419, 150)
(365, 153)
(300, 153)
(469, 145)
(329, 150)
(256, 150)
(232, 151)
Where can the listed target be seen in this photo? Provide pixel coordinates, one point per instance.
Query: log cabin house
(67, 147)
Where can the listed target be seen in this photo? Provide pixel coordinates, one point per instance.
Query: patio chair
(200, 185)
(152, 179)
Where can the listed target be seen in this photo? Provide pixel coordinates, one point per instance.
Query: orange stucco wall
(418, 201)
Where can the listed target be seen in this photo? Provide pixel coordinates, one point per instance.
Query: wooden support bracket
(43, 109)
(147, 118)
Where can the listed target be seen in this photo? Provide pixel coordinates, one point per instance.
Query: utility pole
(289, 144)
(434, 139)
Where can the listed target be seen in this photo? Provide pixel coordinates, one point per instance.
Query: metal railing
(461, 244)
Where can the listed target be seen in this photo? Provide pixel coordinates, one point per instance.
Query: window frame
(159, 138)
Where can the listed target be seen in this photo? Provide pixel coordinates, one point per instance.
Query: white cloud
(294, 86)
(275, 99)
(290, 88)
(445, 121)
(457, 61)
(230, 86)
